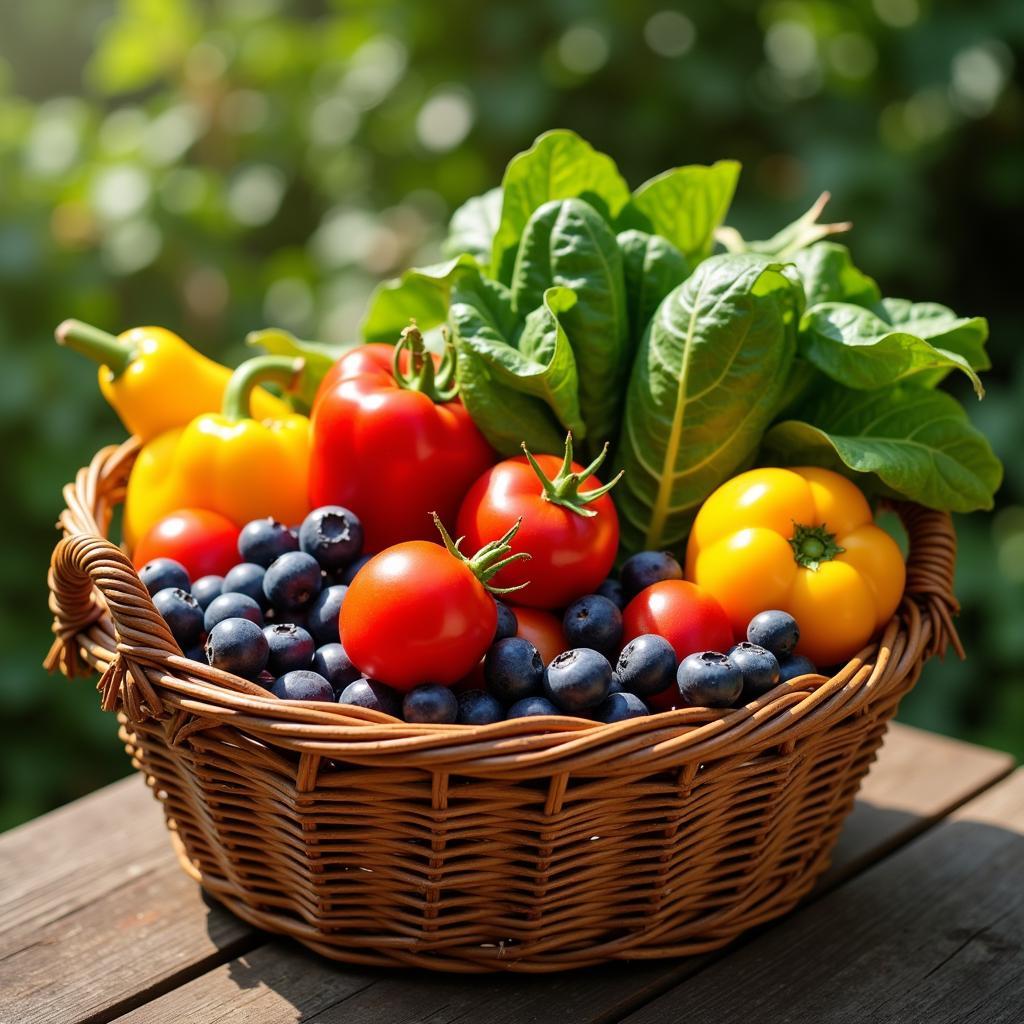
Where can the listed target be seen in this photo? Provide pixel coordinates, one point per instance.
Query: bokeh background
(220, 165)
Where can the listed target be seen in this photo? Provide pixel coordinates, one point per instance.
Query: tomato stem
(564, 489)
(813, 545)
(436, 382)
(490, 559)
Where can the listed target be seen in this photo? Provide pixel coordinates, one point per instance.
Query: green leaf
(652, 266)
(567, 243)
(504, 389)
(941, 326)
(918, 444)
(827, 273)
(801, 234)
(685, 206)
(319, 357)
(857, 348)
(559, 165)
(420, 294)
(473, 226)
(710, 374)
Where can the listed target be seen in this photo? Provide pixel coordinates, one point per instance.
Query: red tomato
(206, 543)
(389, 453)
(543, 630)
(689, 618)
(571, 551)
(416, 614)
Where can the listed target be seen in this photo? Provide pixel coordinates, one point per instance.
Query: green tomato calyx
(564, 489)
(813, 545)
(421, 374)
(490, 559)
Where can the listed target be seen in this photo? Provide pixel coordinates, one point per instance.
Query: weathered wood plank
(96, 915)
(932, 935)
(918, 778)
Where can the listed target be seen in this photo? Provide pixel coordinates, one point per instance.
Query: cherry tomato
(392, 449)
(543, 630)
(688, 617)
(571, 534)
(421, 613)
(206, 543)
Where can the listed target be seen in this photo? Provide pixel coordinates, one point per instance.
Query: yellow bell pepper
(226, 462)
(801, 540)
(154, 380)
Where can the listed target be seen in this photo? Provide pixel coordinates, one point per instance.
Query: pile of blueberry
(273, 618)
(749, 669)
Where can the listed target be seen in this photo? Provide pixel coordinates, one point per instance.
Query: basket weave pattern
(500, 847)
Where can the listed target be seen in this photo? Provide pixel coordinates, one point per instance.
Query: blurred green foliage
(219, 166)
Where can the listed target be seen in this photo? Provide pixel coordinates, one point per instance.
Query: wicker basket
(530, 845)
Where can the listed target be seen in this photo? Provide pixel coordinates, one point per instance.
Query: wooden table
(921, 918)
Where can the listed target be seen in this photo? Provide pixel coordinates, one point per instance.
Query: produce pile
(405, 526)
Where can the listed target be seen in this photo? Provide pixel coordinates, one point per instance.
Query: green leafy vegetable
(918, 444)
(514, 394)
(801, 234)
(559, 165)
(420, 294)
(707, 381)
(566, 243)
(942, 327)
(685, 206)
(652, 266)
(473, 226)
(827, 273)
(858, 348)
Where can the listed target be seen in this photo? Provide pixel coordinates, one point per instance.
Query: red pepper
(393, 443)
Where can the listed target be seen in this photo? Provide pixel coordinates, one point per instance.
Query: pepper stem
(90, 341)
(813, 545)
(437, 383)
(564, 489)
(490, 559)
(284, 370)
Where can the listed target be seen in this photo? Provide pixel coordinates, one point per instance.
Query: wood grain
(96, 915)
(932, 935)
(917, 779)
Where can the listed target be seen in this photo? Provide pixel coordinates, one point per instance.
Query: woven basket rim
(104, 619)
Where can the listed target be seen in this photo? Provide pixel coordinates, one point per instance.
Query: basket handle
(931, 563)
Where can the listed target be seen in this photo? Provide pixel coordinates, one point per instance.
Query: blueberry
(349, 574)
(164, 574)
(760, 669)
(793, 666)
(647, 665)
(430, 703)
(479, 708)
(322, 614)
(708, 680)
(196, 653)
(617, 707)
(530, 706)
(508, 624)
(292, 581)
(578, 679)
(332, 535)
(367, 693)
(775, 631)
(181, 612)
(334, 664)
(645, 568)
(291, 648)
(232, 606)
(238, 646)
(206, 588)
(264, 540)
(513, 669)
(612, 589)
(615, 686)
(302, 685)
(247, 578)
(595, 622)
